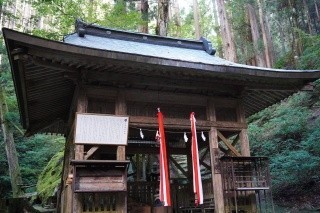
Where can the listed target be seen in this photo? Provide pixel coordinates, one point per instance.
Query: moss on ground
(50, 177)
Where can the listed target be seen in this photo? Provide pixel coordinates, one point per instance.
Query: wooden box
(99, 175)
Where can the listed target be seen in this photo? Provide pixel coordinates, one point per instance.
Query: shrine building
(101, 88)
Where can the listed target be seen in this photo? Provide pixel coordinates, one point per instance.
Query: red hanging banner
(164, 171)
(197, 182)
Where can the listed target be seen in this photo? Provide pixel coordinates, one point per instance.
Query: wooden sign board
(101, 129)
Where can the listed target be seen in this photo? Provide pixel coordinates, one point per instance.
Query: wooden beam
(204, 154)
(131, 149)
(205, 165)
(148, 96)
(233, 143)
(176, 123)
(90, 152)
(154, 150)
(178, 166)
(228, 144)
(201, 160)
(51, 64)
(23, 94)
(167, 81)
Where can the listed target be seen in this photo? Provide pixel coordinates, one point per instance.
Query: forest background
(268, 33)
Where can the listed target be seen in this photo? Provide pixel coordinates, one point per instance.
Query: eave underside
(46, 77)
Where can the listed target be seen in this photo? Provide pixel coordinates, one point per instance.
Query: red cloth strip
(197, 182)
(164, 171)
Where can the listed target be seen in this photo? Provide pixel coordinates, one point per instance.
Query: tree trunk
(216, 27)
(267, 41)
(12, 157)
(306, 11)
(144, 8)
(1, 11)
(163, 17)
(176, 17)
(229, 48)
(259, 55)
(296, 43)
(196, 19)
(317, 10)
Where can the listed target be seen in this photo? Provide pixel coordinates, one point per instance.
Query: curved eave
(232, 68)
(55, 108)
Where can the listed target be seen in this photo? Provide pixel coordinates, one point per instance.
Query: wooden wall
(221, 117)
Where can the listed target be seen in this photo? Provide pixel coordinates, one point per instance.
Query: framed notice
(101, 129)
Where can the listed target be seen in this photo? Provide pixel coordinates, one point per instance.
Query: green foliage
(289, 134)
(61, 15)
(50, 177)
(33, 152)
(187, 29)
(285, 62)
(294, 169)
(310, 57)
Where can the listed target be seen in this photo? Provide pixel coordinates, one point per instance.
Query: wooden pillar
(121, 109)
(214, 154)
(82, 105)
(245, 150)
(138, 167)
(244, 140)
(144, 167)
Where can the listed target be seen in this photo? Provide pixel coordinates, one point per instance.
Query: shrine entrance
(126, 76)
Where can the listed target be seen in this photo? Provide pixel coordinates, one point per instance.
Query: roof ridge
(82, 28)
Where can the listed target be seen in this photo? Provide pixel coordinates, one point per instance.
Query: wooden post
(245, 150)
(144, 167)
(79, 149)
(244, 140)
(214, 154)
(121, 109)
(138, 167)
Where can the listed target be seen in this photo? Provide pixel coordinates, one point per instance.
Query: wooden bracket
(205, 165)
(178, 166)
(228, 144)
(91, 151)
(201, 160)
(234, 142)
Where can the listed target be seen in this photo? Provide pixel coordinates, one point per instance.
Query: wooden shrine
(101, 88)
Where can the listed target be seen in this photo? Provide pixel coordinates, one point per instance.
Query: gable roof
(44, 71)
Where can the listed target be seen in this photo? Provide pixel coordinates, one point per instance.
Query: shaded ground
(303, 199)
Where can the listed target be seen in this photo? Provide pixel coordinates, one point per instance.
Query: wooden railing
(99, 202)
(142, 191)
(181, 193)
